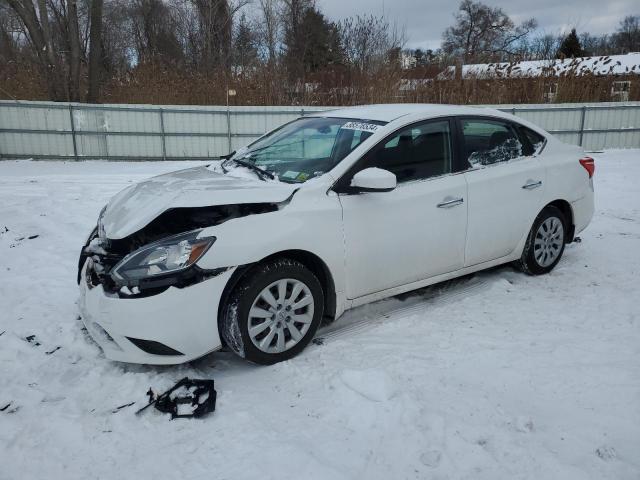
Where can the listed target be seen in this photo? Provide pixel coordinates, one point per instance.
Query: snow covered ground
(497, 376)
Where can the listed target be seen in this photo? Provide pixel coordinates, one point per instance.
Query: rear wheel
(545, 243)
(274, 312)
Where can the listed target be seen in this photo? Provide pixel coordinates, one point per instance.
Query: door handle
(451, 203)
(530, 185)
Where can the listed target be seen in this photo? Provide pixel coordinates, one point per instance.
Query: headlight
(168, 255)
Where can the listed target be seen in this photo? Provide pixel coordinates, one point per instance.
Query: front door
(415, 231)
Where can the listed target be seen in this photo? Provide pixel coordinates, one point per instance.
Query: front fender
(311, 223)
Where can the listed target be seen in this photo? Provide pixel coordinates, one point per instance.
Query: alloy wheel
(280, 315)
(548, 242)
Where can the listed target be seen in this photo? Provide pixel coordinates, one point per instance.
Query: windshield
(307, 147)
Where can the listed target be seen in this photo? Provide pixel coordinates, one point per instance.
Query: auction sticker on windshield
(365, 127)
(290, 174)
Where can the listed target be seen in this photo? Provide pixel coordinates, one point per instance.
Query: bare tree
(74, 46)
(153, 26)
(270, 13)
(368, 40)
(482, 33)
(627, 37)
(95, 52)
(215, 32)
(57, 32)
(544, 47)
(596, 44)
(118, 42)
(10, 34)
(215, 29)
(39, 33)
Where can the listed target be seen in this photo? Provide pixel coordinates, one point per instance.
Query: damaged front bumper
(174, 326)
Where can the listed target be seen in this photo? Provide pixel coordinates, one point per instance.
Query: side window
(359, 136)
(489, 141)
(346, 141)
(415, 153)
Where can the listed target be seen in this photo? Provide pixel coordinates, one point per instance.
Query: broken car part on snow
(197, 399)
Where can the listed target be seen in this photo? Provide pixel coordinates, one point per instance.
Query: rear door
(505, 182)
(415, 231)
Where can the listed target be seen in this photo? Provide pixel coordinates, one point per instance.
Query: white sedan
(323, 214)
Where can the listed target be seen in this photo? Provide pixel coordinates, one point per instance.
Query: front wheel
(545, 243)
(274, 312)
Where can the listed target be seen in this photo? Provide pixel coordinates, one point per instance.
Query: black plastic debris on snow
(117, 409)
(30, 237)
(4, 230)
(197, 397)
(6, 408)
(2, 333)
(32, 340)
(318, 341)
(53, 351)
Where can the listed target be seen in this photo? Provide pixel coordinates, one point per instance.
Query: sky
(425, 20)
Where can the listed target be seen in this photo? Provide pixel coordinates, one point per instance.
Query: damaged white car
(326, 213)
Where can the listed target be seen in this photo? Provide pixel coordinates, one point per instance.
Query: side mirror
(373, 180)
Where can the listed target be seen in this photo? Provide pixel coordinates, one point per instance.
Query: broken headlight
(169, 255)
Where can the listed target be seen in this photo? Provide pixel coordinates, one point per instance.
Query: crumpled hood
(135, 206)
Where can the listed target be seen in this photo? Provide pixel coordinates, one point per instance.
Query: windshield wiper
(252, 166)
(249, 153)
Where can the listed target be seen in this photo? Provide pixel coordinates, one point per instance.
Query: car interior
(486, 143)
(415, 154)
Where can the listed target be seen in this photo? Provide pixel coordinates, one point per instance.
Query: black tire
(528, 262)
(234, 325)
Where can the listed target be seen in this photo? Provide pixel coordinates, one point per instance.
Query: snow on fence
(71, 131)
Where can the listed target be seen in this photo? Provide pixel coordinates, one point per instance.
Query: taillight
(589, 165)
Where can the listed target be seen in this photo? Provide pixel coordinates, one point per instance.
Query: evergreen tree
(294, 35)
(570, 46)
(311, 41)
(245, 50)
(321, 41)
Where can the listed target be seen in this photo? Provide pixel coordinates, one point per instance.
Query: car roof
(390, 112)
